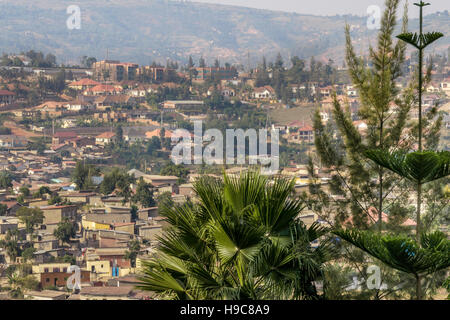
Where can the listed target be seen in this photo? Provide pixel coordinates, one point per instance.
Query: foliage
(403, 253)
(65, 230)
(82, 175)
(30, 217)
(5, 180)
(144, 194)
(133, 250)
(242, 241)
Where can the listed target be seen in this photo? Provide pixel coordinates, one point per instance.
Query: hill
(145, 30)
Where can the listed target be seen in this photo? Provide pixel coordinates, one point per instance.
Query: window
(45, 269)
(55, 269)
(64, 269)
(47, 279)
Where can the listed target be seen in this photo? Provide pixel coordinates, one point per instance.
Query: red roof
(6, 93)
(306, 128)
(108, 135)
(65, 134)
(262, 89)
(103, 88)
(85, 82)
(10, 204)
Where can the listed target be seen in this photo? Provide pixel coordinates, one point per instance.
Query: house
(105, 138)
(150, 232)
(445, 86)
(83, 84)
(51, 108)
(102, 90)
(304, 134)
(55, 214)
(145, 213)
(326, 91)
(78, 105)
(79, 197)
(266, 92)
(45, 295)
(11, 207)
(7, 224)
(110, 101)
(12, 141)
(104, 219)
(58, 277)
(6, 97)
(183, 105)
(141, 91)
(112, 293)
(63, 136)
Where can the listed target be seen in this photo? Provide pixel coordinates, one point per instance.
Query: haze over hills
(145, 30)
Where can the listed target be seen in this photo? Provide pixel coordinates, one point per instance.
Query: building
(6, 97)
(215, 73)
(105, 138)
(103, 90)
(63, 136)
(266, 92)
(184, 105)
(56, 214)
(111, 70)
(45, 295)
(12, 141)
(83, 84)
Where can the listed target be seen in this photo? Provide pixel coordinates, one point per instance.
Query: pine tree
(360, 183)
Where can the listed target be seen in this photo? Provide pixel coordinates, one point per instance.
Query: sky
(329, 7)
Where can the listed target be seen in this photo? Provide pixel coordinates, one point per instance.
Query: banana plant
(423, 256)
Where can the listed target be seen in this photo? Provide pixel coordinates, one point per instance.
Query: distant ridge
(146, 30)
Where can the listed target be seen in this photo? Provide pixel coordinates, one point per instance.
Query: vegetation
(242, 241)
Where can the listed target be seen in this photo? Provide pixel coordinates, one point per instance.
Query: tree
(422, 258)
(5, 180)
(3, 209)
(27, 254)
(65, 230)
(82, 176)
(11, 244)
(118, 181)
(363, 184)
(172, 169)
(144, 194)
(30, 217)
(241, 241)
(419, 167)
(25, 191)
(55, 199)
(131, 254)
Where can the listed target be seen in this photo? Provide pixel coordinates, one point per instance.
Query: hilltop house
(105, 138)
(266, 92)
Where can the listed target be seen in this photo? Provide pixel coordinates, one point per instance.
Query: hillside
(146, 30)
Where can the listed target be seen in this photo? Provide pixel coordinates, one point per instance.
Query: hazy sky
(329, 7)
